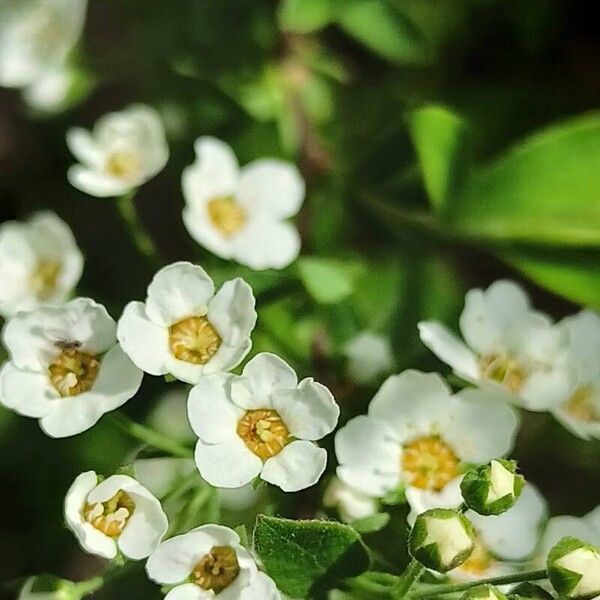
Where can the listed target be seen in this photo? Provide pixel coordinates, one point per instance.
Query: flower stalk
(140, 237)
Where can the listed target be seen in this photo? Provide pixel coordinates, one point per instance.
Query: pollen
(110, 517)
(429, 463)
(194, 340)
(44, 278)
(263, 432)
(227, 216)
(73, 372)
(123, 165)
(504, 370)
(580, 405)
(479, 562)
(216, 570)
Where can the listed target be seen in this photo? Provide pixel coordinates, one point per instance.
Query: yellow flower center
(217, 569)
(227, 216)
(123, 165)
(504, 370)
(581, 407)
(44, 278)
(110, 517)
(263, 432)
(480, 560)
(429, 463)
(73, 372)
(194, 340)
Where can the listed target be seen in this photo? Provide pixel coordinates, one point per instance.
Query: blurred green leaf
(329, 280)
(545, 190)
(441, 141)
(372, 523)
(305, 556)
(305, 16)
(384, 29)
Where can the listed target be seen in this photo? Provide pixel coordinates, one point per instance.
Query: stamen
(44, 278)
(216, 570)
(123, 165)
(226, 215)
(73, 372)
(429, 463)
(263, 432)
(581, 407)
(194, 340)
(504, 370)
(480, 560)
(110, 517)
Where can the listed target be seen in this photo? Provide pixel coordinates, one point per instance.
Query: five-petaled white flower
(241, 214)
(580, 412)
(36, 37)
(419, 436)
(114, 514)
(40, 263)
(66, 368)
(261, 423)
(124, 150)
(509, 347)
(369, 356)
(209, 562)
(184, 328)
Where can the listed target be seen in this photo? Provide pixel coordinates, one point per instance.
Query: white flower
(66, 368)
(124, 150)
(40, 263)
(184, 328)
(350, 503)
(419, 436)
(241, 214)
(116, 514)
(50, 92)
(580, 412)
(209, 562)
(36, 37)
(369, 355)
(508, 346)
(261, 423)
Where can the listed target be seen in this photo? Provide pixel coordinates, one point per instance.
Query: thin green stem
(89, 586)
(150, 436)
(433, 591)
(408, 579)
(140, 237)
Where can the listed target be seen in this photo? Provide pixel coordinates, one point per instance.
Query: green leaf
(441, 141)
(329, 280)
(544, 190)
(384, 30)
(305, 16)
(372, 523)
(305, 557)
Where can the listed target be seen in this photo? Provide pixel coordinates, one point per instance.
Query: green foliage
(329, 280)
(305, 16)
(306, 556)
(371, 523)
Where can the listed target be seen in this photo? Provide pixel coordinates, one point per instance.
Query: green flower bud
(492, 489)
(484, 592)
(529, 591)
(574, 569)
(441, 539)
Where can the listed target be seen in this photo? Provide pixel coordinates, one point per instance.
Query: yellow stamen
(216, 570)
(110, 517)
(226, 215)
(44, 278)
(480, 560)
(429, 463)
(194, 340)
(74, 372)
(123, 165)
(263, 432)
(504, 370)
(581, 407)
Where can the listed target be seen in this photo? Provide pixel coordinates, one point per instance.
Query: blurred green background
(401, 115)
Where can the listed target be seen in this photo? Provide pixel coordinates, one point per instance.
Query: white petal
(178, 291)
(309, 411)
(262, 588)
(488, 314)
(369, 355)
(231, 311)
(189, 591)
(84, 148)
(96, 183)
(273, 188)
(369, 455)
(584, 348)
(211, 413)
(449, 348)
(414, 403)
(71, 415)
(146, 343)
(421, 500)
(298, 466)
(266, 245)
(480, 427)
(28, 393)
(228, 464)
(228, 357)
(546, 389)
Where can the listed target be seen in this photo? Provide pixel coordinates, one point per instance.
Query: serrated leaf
(372, 523)
(305, 16)
(306, 557)
(441, 141)
(385, 30)
(329, 280)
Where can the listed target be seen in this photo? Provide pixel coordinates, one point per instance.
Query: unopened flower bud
(574, 569)
(484, 592)
(529, 591)
(492, 489)
(441, 539)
